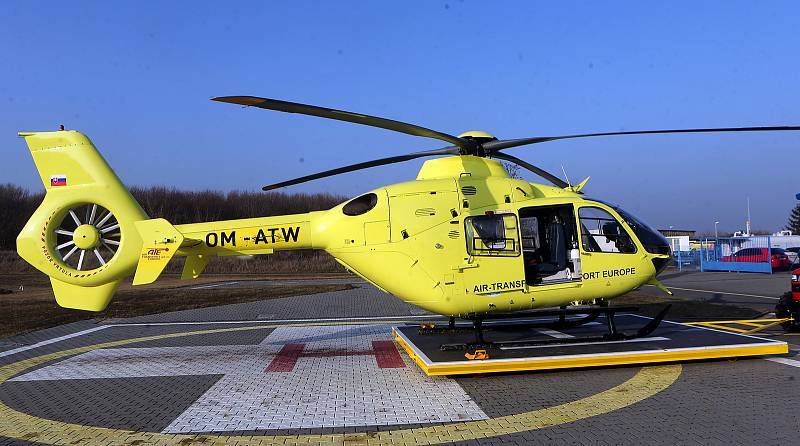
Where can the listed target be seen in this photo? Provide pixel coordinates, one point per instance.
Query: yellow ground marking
(759, 324)
(646, 383)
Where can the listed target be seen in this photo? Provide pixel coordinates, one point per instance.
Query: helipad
(180, 379)
(670, 342)
(296, 377)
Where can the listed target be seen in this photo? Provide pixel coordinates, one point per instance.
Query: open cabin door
(493, 250)
(550, 245)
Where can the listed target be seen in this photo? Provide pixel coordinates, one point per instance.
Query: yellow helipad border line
(590, 360)
(646, 383)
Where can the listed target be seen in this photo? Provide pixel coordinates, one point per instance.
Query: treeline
(18, 204)
(16, 207)
(178, 206)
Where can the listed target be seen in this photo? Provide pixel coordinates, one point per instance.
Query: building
(677, 232)
(678, 238)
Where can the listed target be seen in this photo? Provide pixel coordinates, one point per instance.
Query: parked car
(779, 259)
(789, 304)
(794, 254)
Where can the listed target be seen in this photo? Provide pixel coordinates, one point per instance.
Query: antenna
(747, 226)
(565, 176)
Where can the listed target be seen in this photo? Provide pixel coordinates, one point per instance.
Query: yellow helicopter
(463, 239)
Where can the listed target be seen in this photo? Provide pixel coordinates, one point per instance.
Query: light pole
(716, 236)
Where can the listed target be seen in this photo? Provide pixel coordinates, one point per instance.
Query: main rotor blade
(341, 115)
(542, 173)
(508, 143)
(452, 150)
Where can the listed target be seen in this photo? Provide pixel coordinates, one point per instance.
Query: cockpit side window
(360, 205)
(653, 241)
(492, 235)
(601, 232)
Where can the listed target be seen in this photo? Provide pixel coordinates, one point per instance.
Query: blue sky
(137, 76)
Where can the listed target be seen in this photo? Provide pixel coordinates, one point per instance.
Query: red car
(779, 258)
(789, 304)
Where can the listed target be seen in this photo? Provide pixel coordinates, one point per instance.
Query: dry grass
(34, 307)
(27, 302)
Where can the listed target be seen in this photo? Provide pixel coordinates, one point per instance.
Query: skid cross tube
(591, 313)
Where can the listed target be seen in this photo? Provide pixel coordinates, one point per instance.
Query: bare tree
(513, 170)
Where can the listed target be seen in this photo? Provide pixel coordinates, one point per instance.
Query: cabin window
(601, 232)
(360, 205)
(492, 235)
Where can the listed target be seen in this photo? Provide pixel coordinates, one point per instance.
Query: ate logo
(154, 253)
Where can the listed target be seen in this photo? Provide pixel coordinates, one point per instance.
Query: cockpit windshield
(654, 242)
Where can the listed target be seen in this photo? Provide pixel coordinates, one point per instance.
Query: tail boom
(200, 241)
(249, 236)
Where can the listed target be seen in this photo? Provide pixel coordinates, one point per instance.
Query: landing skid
(612, 334)
(519, 319)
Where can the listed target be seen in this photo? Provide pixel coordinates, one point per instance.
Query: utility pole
(716, 235)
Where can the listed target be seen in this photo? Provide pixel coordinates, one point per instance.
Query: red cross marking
(385, 354)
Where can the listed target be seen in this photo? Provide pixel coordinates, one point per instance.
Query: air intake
(425, 212)
(453, 234)
(469, 190)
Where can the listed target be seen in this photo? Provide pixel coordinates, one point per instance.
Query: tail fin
(160, 243)
(84, 234)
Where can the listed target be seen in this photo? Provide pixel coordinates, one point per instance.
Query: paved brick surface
(712, 403)
(144, 403)
(346, 388)
(505, 394)
(10, 343)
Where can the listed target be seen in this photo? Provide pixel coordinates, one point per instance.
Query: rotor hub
(478, 138)
(86, 236)
(478, 135)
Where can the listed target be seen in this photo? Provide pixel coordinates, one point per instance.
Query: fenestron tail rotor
(88, 237)
(464, 144)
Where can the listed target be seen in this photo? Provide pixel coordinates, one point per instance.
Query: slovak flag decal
(58, 180)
